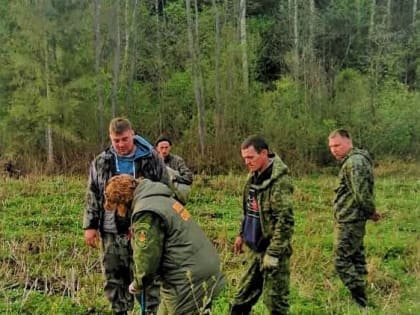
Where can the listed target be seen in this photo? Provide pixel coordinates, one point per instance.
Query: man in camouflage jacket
(179, 173)
(353, 205)
(128, 154)
(266, 229)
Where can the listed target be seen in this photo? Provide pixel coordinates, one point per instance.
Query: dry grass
(47, 269)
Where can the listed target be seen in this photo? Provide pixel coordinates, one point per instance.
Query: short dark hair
(256, 141)
(119, 125)
(161, 139)
(341, 132)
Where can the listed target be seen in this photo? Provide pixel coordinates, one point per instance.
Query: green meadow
(46, 268)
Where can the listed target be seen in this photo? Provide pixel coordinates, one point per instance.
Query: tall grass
(47, 269)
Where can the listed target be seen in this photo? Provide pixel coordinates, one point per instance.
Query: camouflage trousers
(273, 284)
(350, 262)
(118, 265)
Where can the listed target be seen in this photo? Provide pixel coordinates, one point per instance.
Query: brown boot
(359, 296)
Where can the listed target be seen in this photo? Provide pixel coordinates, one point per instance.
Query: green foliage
(292, 132)
(350, 64)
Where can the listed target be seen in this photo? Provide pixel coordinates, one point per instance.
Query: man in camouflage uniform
(267, 229)
(167, 242)
(180, 174)
(128, 154)
(353, 205)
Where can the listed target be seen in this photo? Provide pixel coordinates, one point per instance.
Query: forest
(208, 74)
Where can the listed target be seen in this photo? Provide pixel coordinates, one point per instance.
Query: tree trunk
(132, 59)
(160, 86)
(116, 60)
(196, 73)
(219, 132)
(389, 13)
(50, 147)
(126, 33)
(296, 37)
(373, 63)
(290, 15)
(308, 59)
(312, 26)
(414, 11)
(372, 19)
(242, 32)
(99, 87)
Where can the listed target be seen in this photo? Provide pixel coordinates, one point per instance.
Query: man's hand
(237, 247)
(269, 262)
(132, 288)
(91, 238)
(375, 217)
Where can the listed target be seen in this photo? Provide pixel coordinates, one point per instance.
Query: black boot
(359, 296)
(240, 310)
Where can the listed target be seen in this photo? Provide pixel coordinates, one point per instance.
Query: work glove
(269, 262)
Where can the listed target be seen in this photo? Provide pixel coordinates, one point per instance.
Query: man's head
(122, 136)
(163, 146)
(254, 151)
(340, 143)
(119, 192)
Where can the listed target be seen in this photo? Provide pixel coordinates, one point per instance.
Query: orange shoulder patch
(183, 213)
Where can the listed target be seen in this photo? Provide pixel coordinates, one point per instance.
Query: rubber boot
(359, 296)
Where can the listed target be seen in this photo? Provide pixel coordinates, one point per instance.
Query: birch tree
(194, 47)
(99, 83)
(131, 47)
(49, 137)
(389, 13)
(296, 36)
(242, 32)
(219, 106)
(116, 59)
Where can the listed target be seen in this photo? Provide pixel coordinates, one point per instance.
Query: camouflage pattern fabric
(177, 163)
(168, 242)
(118, 266)
(354, 199)
(350, 262)
(272, 284)
(147, 247)
(101, 170)
(117, 262)
(117, 256)
(353, 205)
(182, 189)
(274, 196)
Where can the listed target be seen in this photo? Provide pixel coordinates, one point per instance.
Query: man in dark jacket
(128, 154)
(167, 242)
(179, 173)
(267, 229)
(353, 205)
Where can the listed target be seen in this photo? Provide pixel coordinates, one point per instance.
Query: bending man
(168, 243)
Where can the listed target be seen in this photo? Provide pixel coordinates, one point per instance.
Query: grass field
(46, 268)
